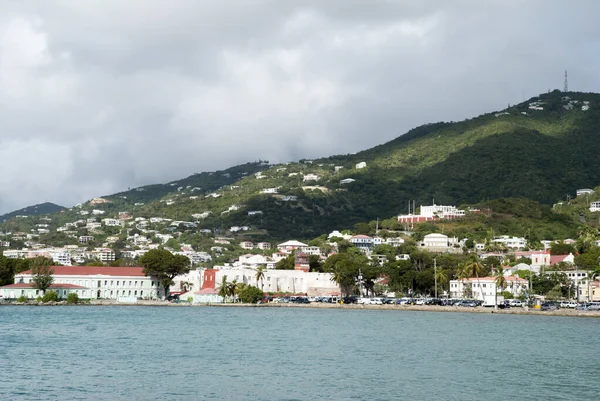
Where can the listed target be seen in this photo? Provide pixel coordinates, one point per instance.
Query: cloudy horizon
(99, 96)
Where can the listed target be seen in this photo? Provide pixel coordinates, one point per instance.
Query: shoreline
(403, 308)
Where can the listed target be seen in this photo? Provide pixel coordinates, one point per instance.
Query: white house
(310, 177)
(347, 181)
(361, 165)
(511, 242)
(362, 241)
(112, 222)
(594, 206)
(439, 243)
(270, 190)
(91, 282)
(291, 245)
(485, 288)
(584, 191)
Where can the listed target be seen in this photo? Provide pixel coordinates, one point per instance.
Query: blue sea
(229, 353)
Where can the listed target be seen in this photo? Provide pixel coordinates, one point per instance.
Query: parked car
(404, 301)
(467, 303)
(350, 300)
(376, 301)
(547, 306)
(515, 303)
(593, 306)
(420, 301)
(389, 301)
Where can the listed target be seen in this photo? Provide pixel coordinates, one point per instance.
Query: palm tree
(474, 269)
(260, 275)
(500, 282)
(224, 288)
(442, 277)
(232, 289)
(463, 274)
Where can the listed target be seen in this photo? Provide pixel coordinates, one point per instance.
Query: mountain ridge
(541, 149)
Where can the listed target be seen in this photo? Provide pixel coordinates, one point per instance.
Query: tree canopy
(164, 265)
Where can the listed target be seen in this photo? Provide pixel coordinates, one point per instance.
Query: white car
(420, 301)
(376, 301)
(572, 305)
(515, 303)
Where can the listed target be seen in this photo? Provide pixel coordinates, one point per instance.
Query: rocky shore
(317, 305)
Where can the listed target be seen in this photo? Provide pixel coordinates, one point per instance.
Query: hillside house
(594, 206)
(347, 181)
(310, 177)
(361, 165)
(584, 191)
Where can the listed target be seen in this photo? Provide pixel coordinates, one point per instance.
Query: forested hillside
(543, 149)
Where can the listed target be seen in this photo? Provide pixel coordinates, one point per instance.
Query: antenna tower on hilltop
(566, 88)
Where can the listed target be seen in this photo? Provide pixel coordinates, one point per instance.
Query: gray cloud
(98, 96)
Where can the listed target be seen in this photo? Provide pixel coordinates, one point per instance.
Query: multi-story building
(91, 282)
(485, 288)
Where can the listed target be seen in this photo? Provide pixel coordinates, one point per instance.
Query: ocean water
(220, 353)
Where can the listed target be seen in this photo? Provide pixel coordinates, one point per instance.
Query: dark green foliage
(249, 294)
(288, 263)
(560, 248)
(22, 298)
(35, 210)
(42, 273)
(50, 296)
(72, 298)
(164, 265)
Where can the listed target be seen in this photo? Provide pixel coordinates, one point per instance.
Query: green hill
(35, 210)
(542, 149)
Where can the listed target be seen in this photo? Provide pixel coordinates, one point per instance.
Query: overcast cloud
(98, 95)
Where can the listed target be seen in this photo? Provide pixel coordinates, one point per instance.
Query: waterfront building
(281, 281)
(92, 282)
(485, 288)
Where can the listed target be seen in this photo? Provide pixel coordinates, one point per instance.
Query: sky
(98, 96)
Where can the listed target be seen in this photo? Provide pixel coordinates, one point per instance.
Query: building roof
(507, 278)
(53, 286)
(292, 243)
(94, 271)
(205, 291)
(361, 236)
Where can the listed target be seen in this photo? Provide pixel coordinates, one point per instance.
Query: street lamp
(435, 276)
(360, 277)
(590, 299)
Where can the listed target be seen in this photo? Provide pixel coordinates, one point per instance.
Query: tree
(249, 294)
(260, 276)
(560, 248)
(442, 277)
(165, 266)
(473, 268)
(345, 269)
(500, 283)
(314, 263)
(287, 263)
(224, 288)
(232, 289)
(42, 273)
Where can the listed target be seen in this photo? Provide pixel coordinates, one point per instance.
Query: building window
(117, 283)
(105, 282)
(141, 293)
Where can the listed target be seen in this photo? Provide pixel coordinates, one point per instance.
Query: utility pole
(435, 275)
